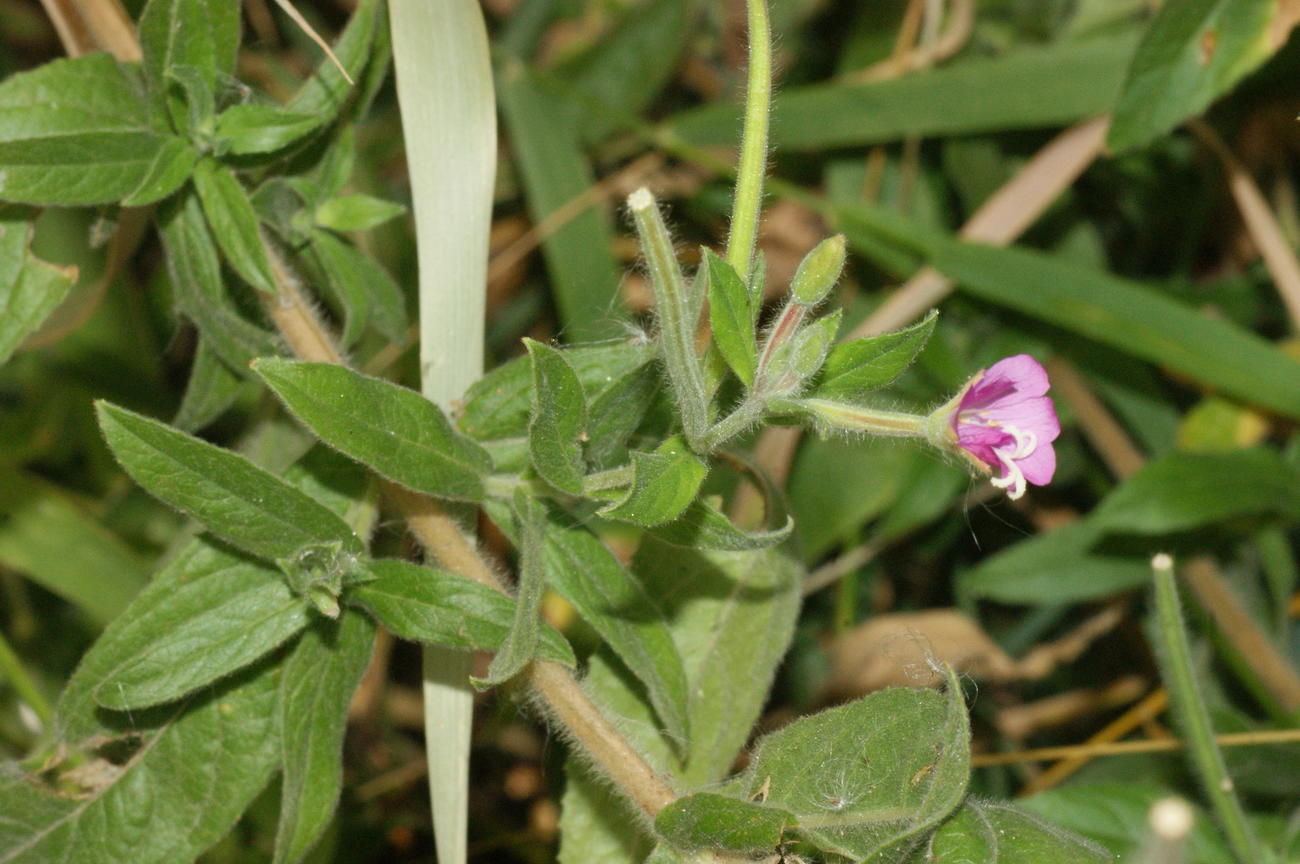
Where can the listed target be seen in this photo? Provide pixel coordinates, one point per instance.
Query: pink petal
(985, 454)
(1039, 466)
(1036, 415)
(976, 433)
(1007, 382)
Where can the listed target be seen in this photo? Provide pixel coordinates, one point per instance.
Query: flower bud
(814, 343)
(818, 271)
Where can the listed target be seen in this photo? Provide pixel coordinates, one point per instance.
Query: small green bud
(814, 343)
(325, 602)
(818, 271)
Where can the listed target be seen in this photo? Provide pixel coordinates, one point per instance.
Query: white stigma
(1025, 444)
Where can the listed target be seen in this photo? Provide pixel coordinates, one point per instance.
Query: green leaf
(1116, 815)
(1192, 53)
(558, 420)
(1130, 317)
(611, 599)
(1183, 491)
(234, 222)
(316, 687)
(617, 412)
(196, 106)
(234, 498)
(867, 780)
(664, 483)
(248, 128)
(521, 642)
(47, 536)
(195, 769)
(30, 289)
(440, 608)
(498, 404)
(325, 93)
(554, 170)
(709, 821)
(995, 833)
(621, 73)
(356, 213)
(198, 288)
(731, 315)
(1054, 568)
(211, 389)
(220, 619)
(364, 288)
(703, 526)
(396, 431)
(176, 33)
(1036, 87)
(856, 368)
(76, 132)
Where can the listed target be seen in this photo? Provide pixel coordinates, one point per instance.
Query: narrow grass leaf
(1192, 53)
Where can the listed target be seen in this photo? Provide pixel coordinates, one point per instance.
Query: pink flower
(1005, 423)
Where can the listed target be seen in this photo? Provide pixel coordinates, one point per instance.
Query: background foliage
(1160, 288)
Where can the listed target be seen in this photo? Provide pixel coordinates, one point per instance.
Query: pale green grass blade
(444, 88)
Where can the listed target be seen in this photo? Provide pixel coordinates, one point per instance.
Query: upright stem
(445, 92)
(12, 668)
(1180, 679)
(748, 201)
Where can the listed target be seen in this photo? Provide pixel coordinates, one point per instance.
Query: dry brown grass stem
(85, 26)
(1121, 748)
(1261, 222)
(1098, 424)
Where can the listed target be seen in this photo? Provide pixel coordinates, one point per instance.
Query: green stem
(748, 200)
(746, 415)
(1180, 679)
(676, 329)
(23, 685)
(855, 418)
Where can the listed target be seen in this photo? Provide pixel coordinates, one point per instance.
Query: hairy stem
(748, 200)
(1180, 679)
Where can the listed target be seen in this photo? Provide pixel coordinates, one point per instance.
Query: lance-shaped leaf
(364, 288)
(316, 686)
(611, 599)
(521, 643)
(356, 213)
(731, 315)
(558, 419)
(195, 769)
(703, 526)
(853, 369)
(664, 483)
(396, 431)
(326, 92)
(225, 612)
(868, 779)
(706, 820)
(211, 389)
(498, 404)
(30, 289)
(1191, 53)
(250, 128)
(994, 833)
(234, 498)
(77, 131)
(198, 288)
(198, 35)
(440, 608)
(234, 223)
(617, 412)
